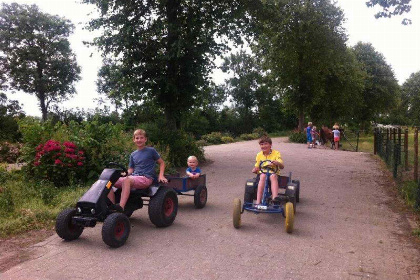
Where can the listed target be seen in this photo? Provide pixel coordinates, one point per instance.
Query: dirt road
(345, 228)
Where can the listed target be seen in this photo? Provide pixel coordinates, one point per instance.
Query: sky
(400, 45)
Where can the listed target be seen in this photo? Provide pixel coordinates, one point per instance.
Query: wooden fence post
(406, 148)
(416, 154)
(375, 140)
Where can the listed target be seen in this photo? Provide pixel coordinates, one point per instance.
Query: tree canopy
(35, 54)
(391, 8)
(165, 49)
(411, 97)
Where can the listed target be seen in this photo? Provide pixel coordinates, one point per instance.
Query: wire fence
(391, 143)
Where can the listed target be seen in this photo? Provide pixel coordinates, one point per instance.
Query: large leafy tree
(411, 97)
(391, 8)
(164, 49)
(35, 54)
(381, 88)
(302, 42)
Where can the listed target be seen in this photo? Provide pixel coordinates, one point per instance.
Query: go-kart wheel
(64, 226)
(163, 207)
(116, 230)
(293, 201)
(200, 197)
(290, 217)
(297, 182)
(237, 213)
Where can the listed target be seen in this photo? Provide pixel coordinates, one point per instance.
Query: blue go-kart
(289, 191)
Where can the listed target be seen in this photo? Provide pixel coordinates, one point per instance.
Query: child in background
(315, 136)
(336, 136)
(308, 134)
(193, 171)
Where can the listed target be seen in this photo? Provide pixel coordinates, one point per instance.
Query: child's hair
(192, 158)
(140, 132)
(265, 139)
(335, 126)
(314, 127)
(309, 123)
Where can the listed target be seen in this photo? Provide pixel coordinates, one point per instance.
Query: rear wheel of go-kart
(297, 182)
(163, 207)
(116, 230)
(64, 226)
(200, 196)
(237, 213)
(293, 201)
(290, 217)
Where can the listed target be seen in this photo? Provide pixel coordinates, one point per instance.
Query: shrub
(249, 136)
(227, 139)
(297, 137)
(9, 152)
(213, 138)
(58, 162)
(260, 131)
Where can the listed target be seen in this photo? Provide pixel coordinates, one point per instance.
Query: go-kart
(289, 191)
(183, 185)
(94, 206)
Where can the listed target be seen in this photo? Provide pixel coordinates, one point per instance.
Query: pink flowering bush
(59, 162)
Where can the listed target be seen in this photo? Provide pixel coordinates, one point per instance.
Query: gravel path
(346, 227)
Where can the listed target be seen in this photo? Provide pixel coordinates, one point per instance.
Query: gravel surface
(348, 225)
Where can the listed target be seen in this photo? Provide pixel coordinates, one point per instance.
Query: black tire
(65, 227)
(200, 197)
(297, 182)
(128, 213)
(163, 207)
(116, 230)
(293, 201)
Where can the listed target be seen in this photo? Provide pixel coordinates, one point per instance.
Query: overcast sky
(398, 43)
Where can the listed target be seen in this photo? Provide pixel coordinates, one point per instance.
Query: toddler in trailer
(193, 171)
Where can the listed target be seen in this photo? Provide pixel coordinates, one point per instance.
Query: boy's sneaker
(116, 207)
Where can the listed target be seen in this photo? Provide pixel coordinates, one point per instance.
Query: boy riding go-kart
(94, 206)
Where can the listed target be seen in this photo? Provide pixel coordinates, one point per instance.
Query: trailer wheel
(116, 230)
(163, 207)
(64, 226)
(200, 197)
(237, 213)
(290, 217)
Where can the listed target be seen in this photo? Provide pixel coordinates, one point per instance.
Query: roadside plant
(60, 163)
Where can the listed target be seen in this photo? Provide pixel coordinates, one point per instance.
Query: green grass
(26, 205)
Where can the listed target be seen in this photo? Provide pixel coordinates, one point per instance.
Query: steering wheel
(268, 167)
(124, 171)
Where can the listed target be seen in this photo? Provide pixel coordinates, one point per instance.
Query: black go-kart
(94, 206)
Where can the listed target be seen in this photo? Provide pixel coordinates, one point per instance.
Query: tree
(411, 97)
(391, 8)
(380, 85)
(302, 43)
(35, 54)
(9, 111)
(165, 49)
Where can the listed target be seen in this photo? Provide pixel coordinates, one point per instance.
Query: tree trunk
(301, 125)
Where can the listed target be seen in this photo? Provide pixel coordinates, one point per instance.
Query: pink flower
(69, 144)
(36, 163)
(69, 150)
(81, 153)
(80, 163)
(57, 161)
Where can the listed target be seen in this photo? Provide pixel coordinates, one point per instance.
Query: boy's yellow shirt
(273, 155)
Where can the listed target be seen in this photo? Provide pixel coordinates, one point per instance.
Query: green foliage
(10, 111)
(163, 52)
(409, 192)
(213, 138)
(249, 136)
(302, 43)
(380, 90)
(411, 98)
(391, 8)
(227, 139)
(26, 204)
(297, 137)
(260, 131)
